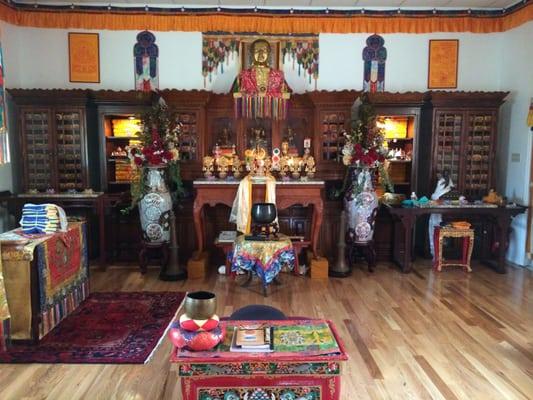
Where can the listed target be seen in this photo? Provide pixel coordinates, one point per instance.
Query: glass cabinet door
(449, 127)
(334, 124)
(477, 167)
(69, 150)
(38, 149)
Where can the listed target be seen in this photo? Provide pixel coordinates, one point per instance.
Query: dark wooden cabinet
(65, 144)
(53, 141)
(464, 138)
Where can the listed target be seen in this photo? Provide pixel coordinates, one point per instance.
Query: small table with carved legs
(441, 233)
(221, 374)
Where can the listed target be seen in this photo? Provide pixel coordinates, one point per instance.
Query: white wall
(517, 77)
(6, 181)
(38, 58)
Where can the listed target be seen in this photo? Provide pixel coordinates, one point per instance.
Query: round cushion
(196, 341)
(194, 325)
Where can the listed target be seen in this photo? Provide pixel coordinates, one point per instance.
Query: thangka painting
(145, 55)
(84, 57)
(374, 57)
(443, 62)
(4, 144)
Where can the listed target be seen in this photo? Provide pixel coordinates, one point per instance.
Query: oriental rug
(107, 328)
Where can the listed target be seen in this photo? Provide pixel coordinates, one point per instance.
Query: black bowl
(263, 213)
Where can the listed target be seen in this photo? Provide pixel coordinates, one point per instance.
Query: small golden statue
(261, 81)
(224, 138)
(208, 166)
(236, 166)
(493, 198)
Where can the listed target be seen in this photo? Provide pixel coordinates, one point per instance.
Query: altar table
(93, 202)
(407, 216)
(46, 277)
(310, 373)
(289, 193)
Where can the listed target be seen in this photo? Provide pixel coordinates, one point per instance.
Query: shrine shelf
(463, 140)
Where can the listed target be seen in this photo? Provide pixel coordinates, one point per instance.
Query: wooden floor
(423, 335)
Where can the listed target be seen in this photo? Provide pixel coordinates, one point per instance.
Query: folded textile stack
(43, 218)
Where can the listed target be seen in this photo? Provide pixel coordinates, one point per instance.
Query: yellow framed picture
(443, 64)
(84, 57)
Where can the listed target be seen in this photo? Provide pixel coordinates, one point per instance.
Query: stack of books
(252, 339)
(227, 236)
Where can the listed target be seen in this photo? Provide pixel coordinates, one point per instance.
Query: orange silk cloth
(265, 22)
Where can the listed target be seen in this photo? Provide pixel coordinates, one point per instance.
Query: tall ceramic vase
(155, 206)
(361, 205)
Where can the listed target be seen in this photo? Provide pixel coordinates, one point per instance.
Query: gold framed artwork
(443, 63)
(84, 57)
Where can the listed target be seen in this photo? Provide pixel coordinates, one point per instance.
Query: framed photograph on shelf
(84, 57)
(443, 64)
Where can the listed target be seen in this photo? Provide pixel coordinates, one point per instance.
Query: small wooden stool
(148, 250)
(367, 250)
(440, 234)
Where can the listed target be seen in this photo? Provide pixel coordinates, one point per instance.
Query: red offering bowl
(196, 341)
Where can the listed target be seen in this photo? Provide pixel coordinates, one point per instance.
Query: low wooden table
(501, 216)
(223, 373)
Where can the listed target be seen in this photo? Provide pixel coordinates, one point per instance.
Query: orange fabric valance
(264, 22)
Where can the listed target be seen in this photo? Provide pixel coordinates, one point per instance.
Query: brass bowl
(200, 305)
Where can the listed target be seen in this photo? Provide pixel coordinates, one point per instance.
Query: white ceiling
(291, 3)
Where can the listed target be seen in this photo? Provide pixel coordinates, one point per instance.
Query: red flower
(138, 161)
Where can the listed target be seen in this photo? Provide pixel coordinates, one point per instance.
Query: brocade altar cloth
(46, 278)
(265, 258)
(4, 310)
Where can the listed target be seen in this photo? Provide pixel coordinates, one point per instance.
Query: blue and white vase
(155, 206)
(361, 205)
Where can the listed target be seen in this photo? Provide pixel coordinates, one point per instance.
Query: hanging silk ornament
(303, 52)
(214, 52)
(374, 56)
(145, 55)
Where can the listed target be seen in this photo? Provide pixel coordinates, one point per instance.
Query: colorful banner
(303, 52)
(215, 52)
(145, 55)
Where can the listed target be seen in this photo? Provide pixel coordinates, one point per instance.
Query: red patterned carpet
(107, 328)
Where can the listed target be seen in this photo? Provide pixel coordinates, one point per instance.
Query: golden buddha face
(261, 52)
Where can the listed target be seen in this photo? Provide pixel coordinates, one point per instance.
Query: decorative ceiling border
(272, 21)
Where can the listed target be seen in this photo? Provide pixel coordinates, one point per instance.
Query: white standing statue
(444, 185)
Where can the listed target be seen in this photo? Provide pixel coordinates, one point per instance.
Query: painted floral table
(305, 364)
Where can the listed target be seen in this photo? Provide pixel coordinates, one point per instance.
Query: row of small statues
(258, 163)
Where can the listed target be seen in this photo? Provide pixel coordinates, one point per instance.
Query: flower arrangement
(364, 145)
(159, 146)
